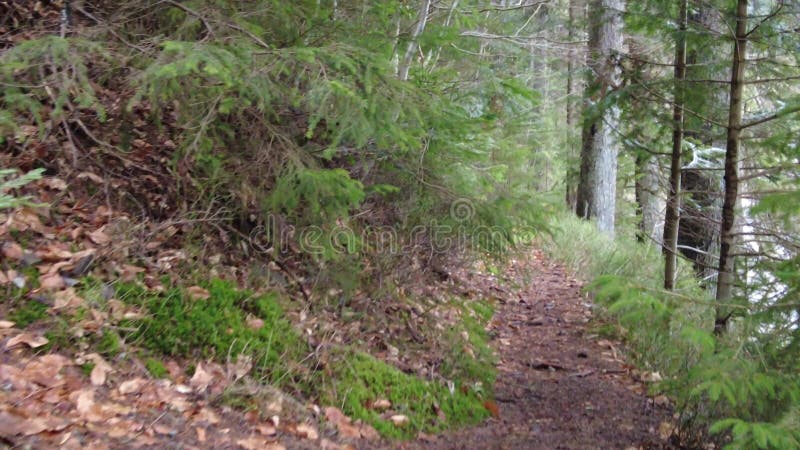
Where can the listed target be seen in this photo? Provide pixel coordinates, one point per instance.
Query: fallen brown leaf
(381, 404)
(201, 379)
(12, 250)
(57, 184)
(306, 431)
(342, 422)
(28, 339)
(99, 236)
(267, 429)
(198, 293)
(52, 282)
(399, 420)
(132, 386)
(257, 443)
(243, 365)
(492, 407)
(67, 299)
(255, 324)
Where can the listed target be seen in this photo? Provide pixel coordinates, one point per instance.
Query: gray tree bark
(411, 49)
(649, 199)
(598, 178)
(574, 91)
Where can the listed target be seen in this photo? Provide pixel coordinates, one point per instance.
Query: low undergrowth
(456, 399)
(218, 321)
(737, 389)
(359, 380)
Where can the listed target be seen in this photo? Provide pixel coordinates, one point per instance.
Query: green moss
(87, 368)
(58, 335)
(27, 311)
(216, 327)
(360, 379)
(470, 358)
(109, 343)
(156, 368)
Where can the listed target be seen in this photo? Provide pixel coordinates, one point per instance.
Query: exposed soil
(558, 386)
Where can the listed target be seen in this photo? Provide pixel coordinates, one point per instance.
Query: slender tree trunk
(672, 216)
(726, 276)
(433, 56)
(422, 20)
(573, 91)
(598, 179)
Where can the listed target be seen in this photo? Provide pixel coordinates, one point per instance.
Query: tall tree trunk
(422, 20)
(576, 7)
(672, 216)
(598, 178)
(726, 276)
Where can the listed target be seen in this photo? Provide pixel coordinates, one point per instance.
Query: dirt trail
(558, 386)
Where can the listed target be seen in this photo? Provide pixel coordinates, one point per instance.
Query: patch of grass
(236, 399)
(59, 336)
(87, 368)
(109, 344)
(156, 368)
(359, 379)
(217, 327)
(605, 329)
(27, 311)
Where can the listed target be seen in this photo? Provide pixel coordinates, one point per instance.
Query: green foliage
(55, 72)
(360, 379)
(760, 435)
(740, 385)
(27, 311)
(316, 196)
(156, 368)
(109, 343)
(470, 358)
(9, 201)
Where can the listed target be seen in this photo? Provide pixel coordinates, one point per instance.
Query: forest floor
(559, 386)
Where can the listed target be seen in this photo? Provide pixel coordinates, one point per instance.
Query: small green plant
(28, 311)
(8, 201)
(156, 368)
(59, 335)
(110, 343)
(87, 367)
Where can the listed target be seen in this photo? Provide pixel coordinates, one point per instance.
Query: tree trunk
(672, 216)
(573, 91)
(726, 276)
(649, 202)
(422, 20)
(433, 56)
(598, 178)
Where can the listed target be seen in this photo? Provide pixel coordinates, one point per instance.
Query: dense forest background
(344, 154)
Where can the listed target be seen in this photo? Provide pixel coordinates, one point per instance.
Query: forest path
(558, 386)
